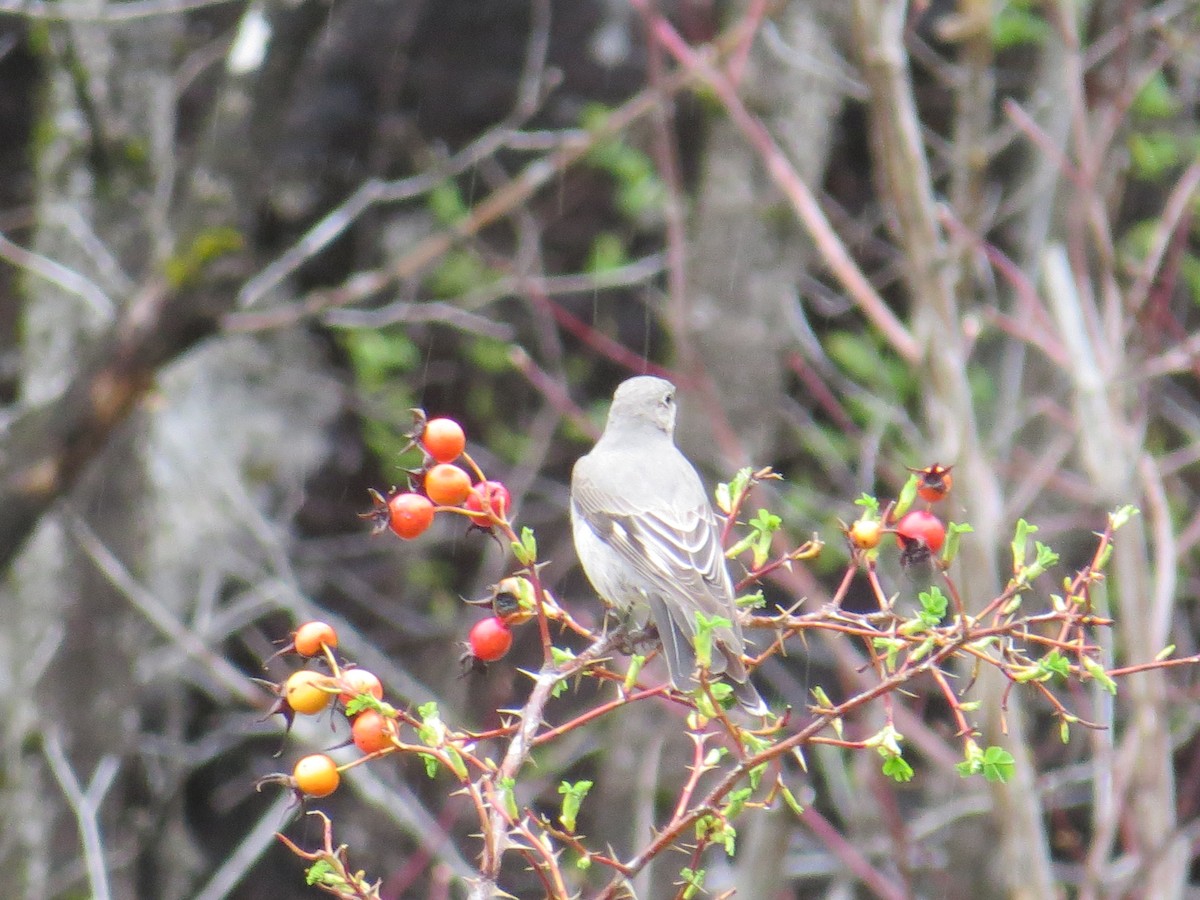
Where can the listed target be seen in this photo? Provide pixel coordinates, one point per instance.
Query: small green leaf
(922, 650)
(890, 647)
(998, 765)
(1053, 663)
(573, 796)
(455, 761)
(731, 494)
(1120, 517)
(694, 879)
(954, 533)
(506, 787)
(1016, 25)
(933, 606)
(895, 768)
(908, 494)
(1155, 100)
(431, 764)
(322, 872)
(755, 776)
(562, 656)
(608, 253)
(822, 698)
(790, 799)
(1045, 559)
(757, 600)
(869, 504)
(736, 803)
(705, 625)
(1097, 671)
(447, 204)
(525, 550)
(635, 669)
(1019, 543)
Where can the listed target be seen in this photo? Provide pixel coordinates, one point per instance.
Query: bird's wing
(674, 548)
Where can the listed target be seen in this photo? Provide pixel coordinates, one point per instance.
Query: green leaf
(694, 879)
(954, 533)
(736, 803)
(607, 253)
(635, 669)
(431, 730)
(525, 550)
(187, 267)
(895, 768)
(1016, 26)
(869, 504)
(757, 600)
(1120, 517)
(1053, 663)
(891, 648)
(1045, 559)
(790, 799)
(933, 606)
(886, 740)
(1153, 154)
(447, 204)
(455, 761)
(459, 272)
(573, 796)
(755, 776)
(997, 765)
(764, 525)
(1020, 542)
(431, 764)
(362, 703)
(908, 494)
(705, 625)
(1097, 671)
(323, 872)
(562, 656)
(1155, 100)
(506, 788)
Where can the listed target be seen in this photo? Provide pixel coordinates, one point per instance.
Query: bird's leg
(638, 640)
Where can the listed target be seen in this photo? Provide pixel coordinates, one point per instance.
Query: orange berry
(444, 440)
(447, 485)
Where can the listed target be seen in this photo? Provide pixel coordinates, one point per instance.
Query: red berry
(444, 440)
(923, 526)
(371, 731)
(490, 639)
(485, 497)
(409, 514)
(447, 485)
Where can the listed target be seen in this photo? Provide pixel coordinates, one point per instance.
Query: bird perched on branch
(647, 537)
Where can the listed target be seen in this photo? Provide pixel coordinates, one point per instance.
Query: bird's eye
(669, 399)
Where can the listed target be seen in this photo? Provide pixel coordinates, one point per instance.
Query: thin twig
(85, 803)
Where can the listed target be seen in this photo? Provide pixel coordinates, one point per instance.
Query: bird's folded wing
(678, 555)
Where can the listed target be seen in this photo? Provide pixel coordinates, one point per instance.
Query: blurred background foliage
(497, 210)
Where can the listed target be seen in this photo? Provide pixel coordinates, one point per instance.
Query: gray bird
(646, 535)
